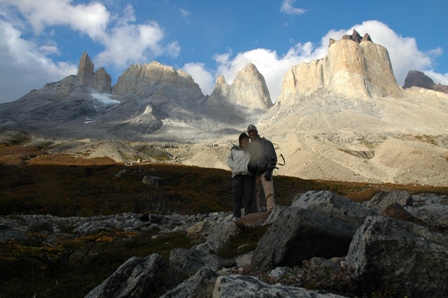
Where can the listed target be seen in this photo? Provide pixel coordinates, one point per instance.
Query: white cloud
(90, 19)
(287, 7)
(24, 65)
(203, 77)
(129, 43)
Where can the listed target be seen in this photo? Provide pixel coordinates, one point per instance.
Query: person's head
(252, 131)
(243, 140)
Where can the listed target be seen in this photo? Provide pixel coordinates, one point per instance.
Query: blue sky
(42, 41)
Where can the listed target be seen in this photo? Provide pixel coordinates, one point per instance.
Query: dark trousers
(243, 193)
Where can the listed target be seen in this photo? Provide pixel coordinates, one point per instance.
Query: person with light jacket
(262, 163)
(242, 179)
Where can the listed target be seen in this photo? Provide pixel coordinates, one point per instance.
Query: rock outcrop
(136, 278)
(242, 101)
(157, 82)
(247, 91)
(299, 235)
(384, 254)
(353, 67)
(419, 79)
(100, 80)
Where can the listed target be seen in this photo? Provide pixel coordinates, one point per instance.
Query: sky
(42, 41)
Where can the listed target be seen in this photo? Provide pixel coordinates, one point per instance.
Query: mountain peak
(354, 67)
(85, 69)
(248, 90)
(355, 36)
(100, 80)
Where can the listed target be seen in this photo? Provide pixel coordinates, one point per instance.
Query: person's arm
(271, 156)
(271, 159)
(230, 159)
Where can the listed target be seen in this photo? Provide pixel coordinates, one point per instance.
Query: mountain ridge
(339, 117)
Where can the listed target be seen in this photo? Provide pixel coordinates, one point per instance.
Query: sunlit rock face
(353, 67)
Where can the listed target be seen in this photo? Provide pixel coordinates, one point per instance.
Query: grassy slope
(33, 182)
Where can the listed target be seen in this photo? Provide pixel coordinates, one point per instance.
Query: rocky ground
(401, 159)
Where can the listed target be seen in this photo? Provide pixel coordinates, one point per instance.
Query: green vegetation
(24, 273)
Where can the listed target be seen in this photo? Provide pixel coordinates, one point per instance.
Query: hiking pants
(268, 188)
(243, 193)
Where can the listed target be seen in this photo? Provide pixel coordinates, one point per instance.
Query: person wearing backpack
(263, 160)
(242, 179)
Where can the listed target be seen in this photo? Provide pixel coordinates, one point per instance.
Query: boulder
(397, 211)
(136, 278)
(233, 285)
(381, 200)
(299, 234)
(389, 254)
(200, 285)
(435, 215)
(333, 205)
(189, 261)
(212, 232)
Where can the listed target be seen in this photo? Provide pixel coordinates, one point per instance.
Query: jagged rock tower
(354, 67)
(247, 91)
(100, 80)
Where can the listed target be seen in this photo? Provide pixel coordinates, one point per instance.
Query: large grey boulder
(381, 200)
(232, 286)
(434, 215)
(189, 261)
(200, 285)
(333, 205)
(137, 277)
(299, 234)
(209, 231)
(411, 259)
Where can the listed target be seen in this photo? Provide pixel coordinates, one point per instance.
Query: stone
(190, 261)
(397, 211)
(387, 254)
(333, 205)
(382, 200)
(434, 215)
(299, 234)
(136, 278)
(200, 285)
(233, 285)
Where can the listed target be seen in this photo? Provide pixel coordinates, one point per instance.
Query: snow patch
(105, 98)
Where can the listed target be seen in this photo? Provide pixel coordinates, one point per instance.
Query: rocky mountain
(353, 67)
(419, 79)
(342, 117)
(149, 102)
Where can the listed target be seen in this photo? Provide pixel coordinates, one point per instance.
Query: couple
(252, 165)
